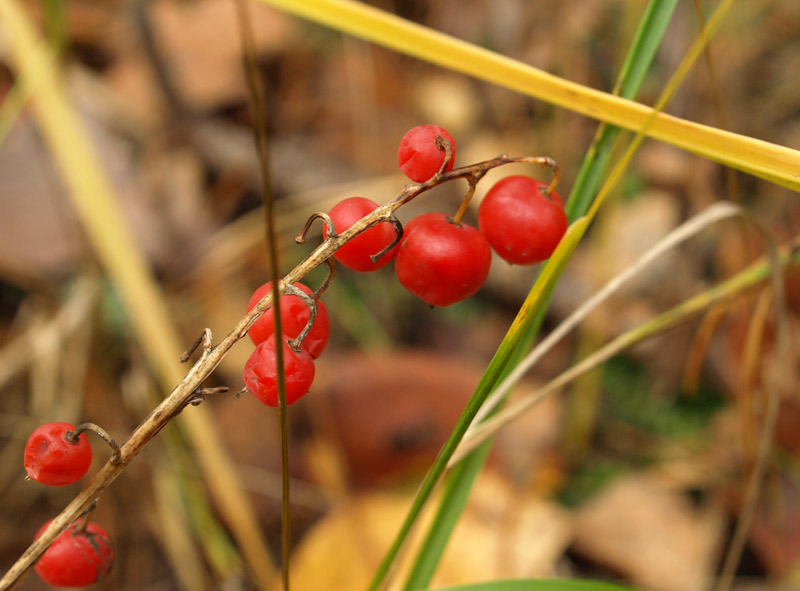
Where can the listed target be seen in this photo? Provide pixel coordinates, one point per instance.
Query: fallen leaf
(503, 533)
(647, 531)
(202, 45)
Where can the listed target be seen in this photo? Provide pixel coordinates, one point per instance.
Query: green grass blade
(463, 475)
(646, 42)
(457, 492)
(454, 499)
(640, 56)
(748, 279)
(56, 22)
(543, 285)
(541, 585)
(729, 289)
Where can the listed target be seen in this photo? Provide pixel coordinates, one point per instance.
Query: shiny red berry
(419, 157)
(77, 557)
(294, 317)
(356, 253)
(261, 378)
(441, 262)
(51, 458)
(521, 222)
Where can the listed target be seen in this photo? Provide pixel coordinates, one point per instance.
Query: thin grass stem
(260, 130)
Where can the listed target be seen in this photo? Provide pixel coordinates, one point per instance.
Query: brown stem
(212, 355)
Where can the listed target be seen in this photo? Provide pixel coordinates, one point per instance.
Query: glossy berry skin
(76, 558)
(418, 156)
(356, 254)
(440, 262)
(294, 317)
(522, 224)
(52, 460)
(260, 373)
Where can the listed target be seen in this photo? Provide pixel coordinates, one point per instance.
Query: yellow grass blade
(769, 161)
(40, 59)
(145, 304)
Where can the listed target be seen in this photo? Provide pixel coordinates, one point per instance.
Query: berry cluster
(58, 454)
(441, 259)
(438, 258)
(307, 341)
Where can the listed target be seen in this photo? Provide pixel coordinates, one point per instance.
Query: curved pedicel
(72, 437)
(462, 209)
(311, 304)
(546, 161)
(444, 144)
(328, 278)
(398, 230)
(326, 219)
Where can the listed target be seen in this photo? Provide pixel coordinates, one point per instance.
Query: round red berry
(441, 262)
(356, 253)
(261, 378)
(522, 223)
(77, 557)
(419, 157)
(51, 458)
(294, 317)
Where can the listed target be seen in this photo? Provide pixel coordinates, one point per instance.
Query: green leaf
(637, 63)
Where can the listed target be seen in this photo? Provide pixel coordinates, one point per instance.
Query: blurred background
(634, 474)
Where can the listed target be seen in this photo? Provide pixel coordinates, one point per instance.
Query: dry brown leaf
(38, 234)
(201, 43)
(641, 527)
(342, 550)
(38, 231)
(392, 412)
(775, 536)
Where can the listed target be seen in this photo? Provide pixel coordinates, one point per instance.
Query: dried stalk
(186, 392)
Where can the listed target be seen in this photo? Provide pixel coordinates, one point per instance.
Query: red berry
(356, 253)
(260, 373)
(521, 222)
(418, 156)
(76, 558)
(51, 459)
(441, 262)
(294, 317)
